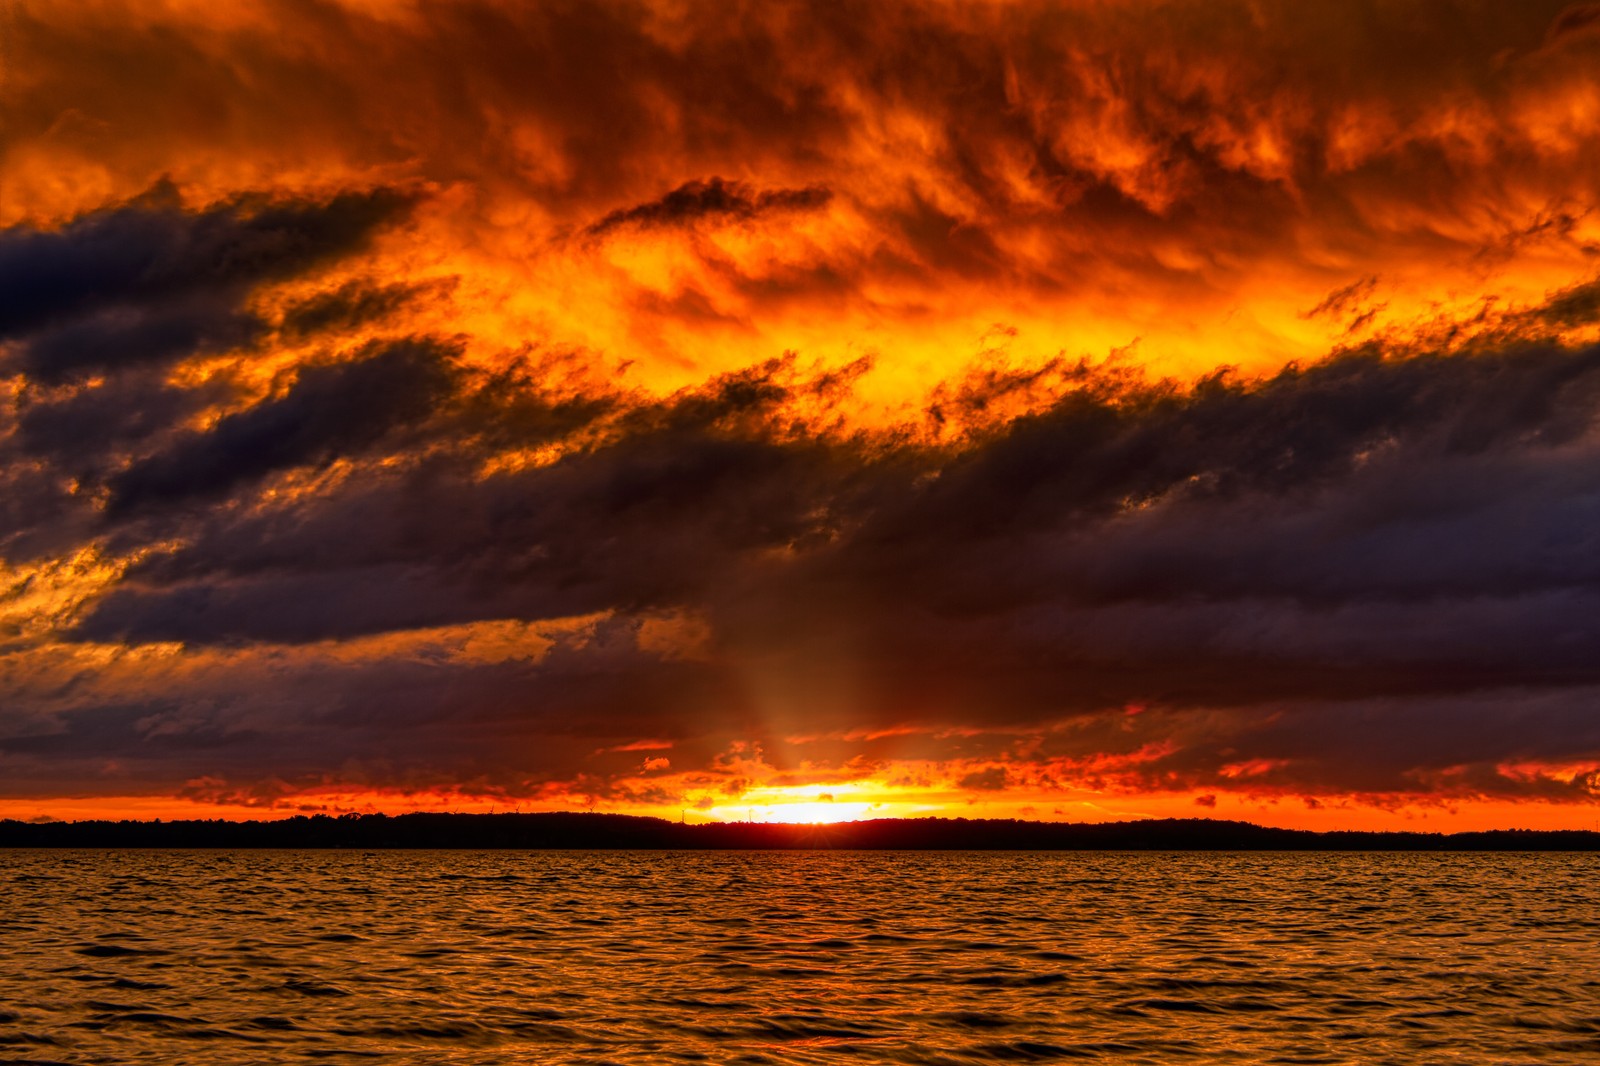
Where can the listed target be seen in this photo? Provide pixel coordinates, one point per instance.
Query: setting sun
(797, 804)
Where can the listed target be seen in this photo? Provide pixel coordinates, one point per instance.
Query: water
(763, 957)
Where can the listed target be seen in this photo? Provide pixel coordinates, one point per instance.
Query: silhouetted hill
(609, 831)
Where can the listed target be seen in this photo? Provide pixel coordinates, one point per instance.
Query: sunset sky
(802, 410)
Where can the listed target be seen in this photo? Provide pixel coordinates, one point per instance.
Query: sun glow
(814, 813)
(815, 804)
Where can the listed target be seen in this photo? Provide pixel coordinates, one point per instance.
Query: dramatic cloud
(1068, 412)
(329, 412)
(714, 199)
(150, 281)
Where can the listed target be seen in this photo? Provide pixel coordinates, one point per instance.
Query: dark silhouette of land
(617, 831)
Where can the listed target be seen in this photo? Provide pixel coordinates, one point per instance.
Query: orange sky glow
(790, 411)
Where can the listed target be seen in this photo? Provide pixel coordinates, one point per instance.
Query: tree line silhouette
(617, 831)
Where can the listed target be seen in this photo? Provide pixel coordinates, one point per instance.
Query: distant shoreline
(569, 831)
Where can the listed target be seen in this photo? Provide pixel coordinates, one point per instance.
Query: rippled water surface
(754, 957)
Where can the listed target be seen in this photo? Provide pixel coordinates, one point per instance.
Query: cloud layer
(525, 430)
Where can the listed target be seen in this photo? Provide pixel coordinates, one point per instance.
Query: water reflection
(490, 957)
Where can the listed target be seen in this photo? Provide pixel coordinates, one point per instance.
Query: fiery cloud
(1009, 408)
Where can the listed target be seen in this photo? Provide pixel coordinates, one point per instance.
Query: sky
(802, 410)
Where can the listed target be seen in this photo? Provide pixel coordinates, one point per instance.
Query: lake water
(785, 957)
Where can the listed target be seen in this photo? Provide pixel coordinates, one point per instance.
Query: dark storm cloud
(330, 411)
(95, 313)
(1357, 424)
(79, 431)
(353, 304)
(1378, 530)
(1373, 575)
(1352, 530)
(420, 721)
(653, 515)
(146, 284)
(516, 407)
(122, 338)
(152, 252)
(713, 199)
(1237, 542)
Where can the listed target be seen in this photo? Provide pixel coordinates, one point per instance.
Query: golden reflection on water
(758, 957)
